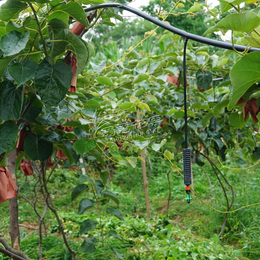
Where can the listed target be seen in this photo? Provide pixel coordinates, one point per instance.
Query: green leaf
(84, 205)
(37, 148)
(74, 10)
(242, 22)
(54, 28)
(115, 212)
(86, 226)
(243, 75)
(156, 147)
(221, 104)
(92, 103)
(52, 82)
(196, 105)
(171, 111)
(13, 42)
(22, 72)
(152, 98)
(140, 78)
(111, 196)
(205, 119)
(99, 187)
(120, 256)
(88, 246)
(237, 120)
(215, 238)
(52, 136)
(114, 234)
(8, 135)
(179, 114)
(112, 147)
(105, 81)
(132, 161)
(141, 144)
(104, 175)
(77, 47)
(203, 79)
(84, 145)
(126, 105)
(168, 155)
(11, 100)
(59, 15)
(10, 9)
(194, 8)
(67, 148)
(4, 63)
(98, 156)
(78, 190)
(143, 106)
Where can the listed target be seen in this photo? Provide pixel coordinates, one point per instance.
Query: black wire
(185, 92)
(173, 29)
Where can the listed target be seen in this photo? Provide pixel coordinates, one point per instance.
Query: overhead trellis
(187, 36)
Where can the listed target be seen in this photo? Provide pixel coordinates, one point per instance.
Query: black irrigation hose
(185, 92)
(194, 37)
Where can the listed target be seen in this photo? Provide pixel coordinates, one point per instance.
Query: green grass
(187, 231)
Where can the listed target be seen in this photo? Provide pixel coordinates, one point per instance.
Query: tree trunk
(147, 202)
(148, 210)
(13, 206)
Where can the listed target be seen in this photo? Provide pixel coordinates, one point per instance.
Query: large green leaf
(86, 226)
(242, 22)
(8, 136)
(105, 81)
(115, 212)
(78, 190)
(237, 120)
(77, 47)
(13, 42)
(84, 145)
(11, 100)
(243, 75)
(54, 28)
(74, 10)
(205, 119)
(37, 148)
(11, 8)
(104, 175)
(111, 196)
(132, 161)
(22, 72)
(225, 5)
(4, 63)
(204, 79)
(52, 82)
(84, 205)
(88, 246)
(140, 78)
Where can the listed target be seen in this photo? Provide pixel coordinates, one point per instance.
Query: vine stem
(40, 29)
(53, 209)
(229, 205)
(99, 209)
(9, 251)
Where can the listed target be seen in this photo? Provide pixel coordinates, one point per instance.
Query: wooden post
(147, 202)
(13, 206)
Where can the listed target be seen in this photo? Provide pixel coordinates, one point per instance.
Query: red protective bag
(8, 187)
(26, 168)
